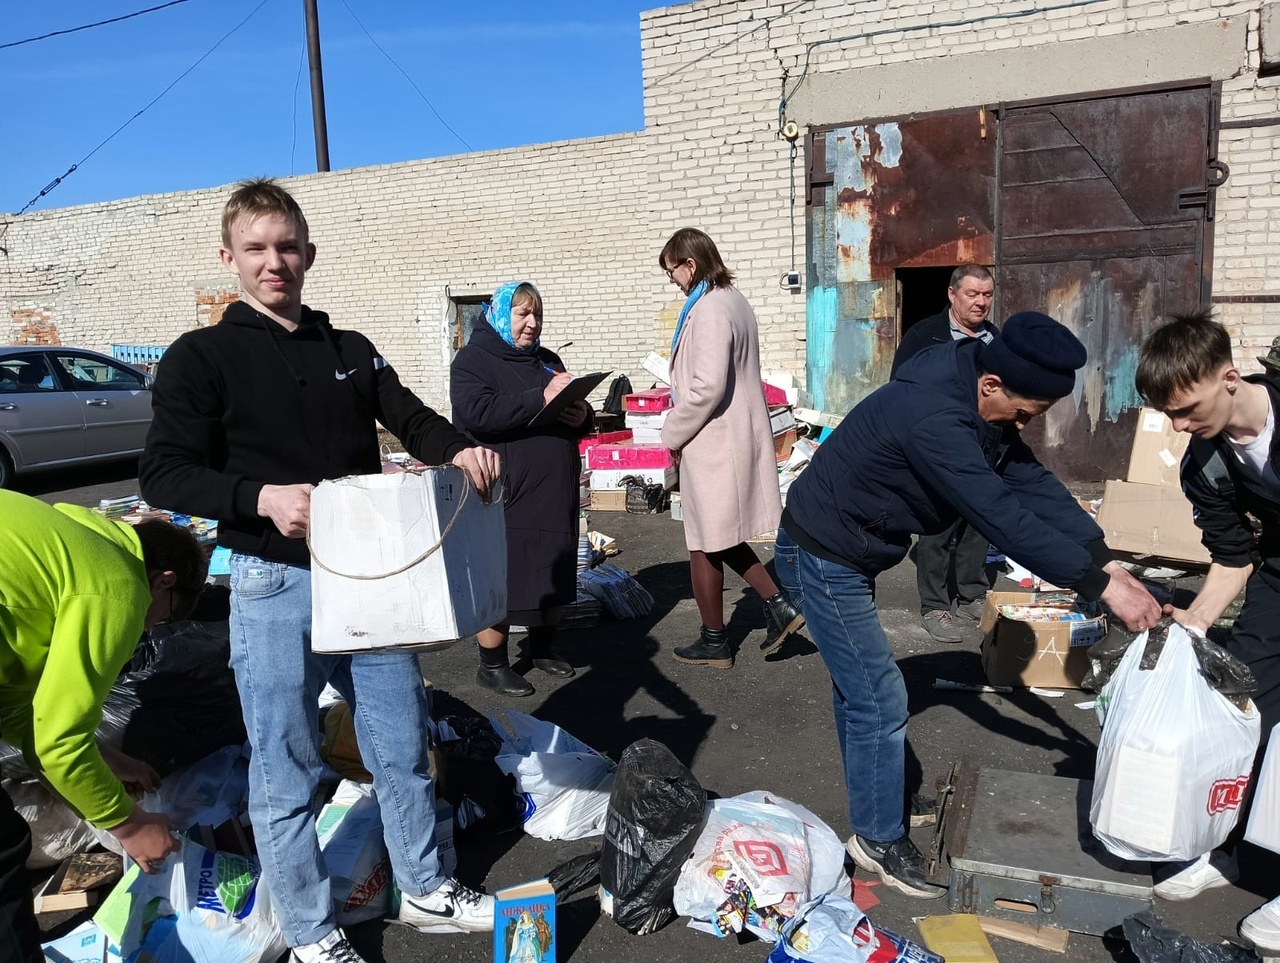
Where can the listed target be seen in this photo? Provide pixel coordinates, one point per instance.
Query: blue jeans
(867, 690)
(279, 680)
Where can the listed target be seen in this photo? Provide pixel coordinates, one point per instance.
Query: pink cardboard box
(604, 457)
(602, 438)
(655, 399)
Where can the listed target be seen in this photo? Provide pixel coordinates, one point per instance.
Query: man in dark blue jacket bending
(909, 460)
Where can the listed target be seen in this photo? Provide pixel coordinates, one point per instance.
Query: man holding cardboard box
(249, 415)
(1229, 473)
(908, 460)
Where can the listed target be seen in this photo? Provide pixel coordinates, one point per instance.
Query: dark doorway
(924, 293)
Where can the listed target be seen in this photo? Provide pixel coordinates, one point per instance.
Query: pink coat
(720, 426)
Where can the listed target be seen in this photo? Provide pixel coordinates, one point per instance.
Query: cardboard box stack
(640, 454)
(1147, 514)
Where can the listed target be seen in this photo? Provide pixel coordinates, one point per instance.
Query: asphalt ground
(764, 724)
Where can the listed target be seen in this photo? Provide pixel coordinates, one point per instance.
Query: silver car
(66, 406)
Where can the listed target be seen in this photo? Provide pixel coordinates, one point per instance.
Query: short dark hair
(969, 271)
(1176, 355)
(169, 548)
(689, 242)
(254, 198)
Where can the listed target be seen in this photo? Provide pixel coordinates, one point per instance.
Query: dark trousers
(937, 563)
(19, 934)
(1255, 641)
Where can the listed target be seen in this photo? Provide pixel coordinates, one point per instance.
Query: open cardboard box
(1049, 654)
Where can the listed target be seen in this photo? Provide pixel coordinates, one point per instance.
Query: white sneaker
(1262, 928)
(453, 908)
(334, 948)
(1187, 880)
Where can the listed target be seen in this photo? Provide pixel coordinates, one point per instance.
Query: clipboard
(575, 390)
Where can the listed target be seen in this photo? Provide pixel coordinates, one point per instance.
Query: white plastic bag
(1264, 816)
(208, 792)
(564, 783)
(832, 929)
(355, 854)
(758, 859)
(1174, 760)
(56, 832)
(203, 907)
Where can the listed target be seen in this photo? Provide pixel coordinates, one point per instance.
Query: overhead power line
(90, 26)
(406, 77)
(110, 137)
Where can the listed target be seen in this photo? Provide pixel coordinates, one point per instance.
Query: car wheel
(6, 469)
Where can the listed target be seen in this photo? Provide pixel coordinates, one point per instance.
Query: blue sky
(500, 73)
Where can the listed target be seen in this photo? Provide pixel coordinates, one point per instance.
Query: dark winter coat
(496, 391)
(925, 333)
(913, 456)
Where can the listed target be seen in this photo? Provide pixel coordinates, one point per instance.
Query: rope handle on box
(466, 493)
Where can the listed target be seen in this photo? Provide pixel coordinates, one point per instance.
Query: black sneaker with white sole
(898, 864)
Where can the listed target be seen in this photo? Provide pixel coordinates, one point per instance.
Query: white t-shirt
(1256, 455)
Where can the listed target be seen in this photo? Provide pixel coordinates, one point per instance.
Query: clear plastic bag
(1175, 757)
(758, 859)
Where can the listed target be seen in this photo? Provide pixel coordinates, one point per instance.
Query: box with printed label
(646, 419)
(602, 438)
(780, 419)
(628, 456)
(1150, 520)
(1157, 450)
(1048, 652)
(609, 500)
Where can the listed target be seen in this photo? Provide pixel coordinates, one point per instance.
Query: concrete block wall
(391, 240)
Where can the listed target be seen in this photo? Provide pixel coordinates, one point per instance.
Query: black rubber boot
(496, 673)
(781, 618)
(545, 658)
(711, 649)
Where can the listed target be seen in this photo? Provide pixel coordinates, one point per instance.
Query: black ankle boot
(781, 618)
(711, 649)
(495, 673)
(545, 658)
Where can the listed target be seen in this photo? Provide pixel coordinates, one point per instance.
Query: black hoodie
(246, 403)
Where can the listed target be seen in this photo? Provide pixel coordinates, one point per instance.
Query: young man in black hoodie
(908, 460)
(249, 415)
(1229, 473)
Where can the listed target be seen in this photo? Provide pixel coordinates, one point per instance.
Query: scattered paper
(969, 686)
(1047, 693)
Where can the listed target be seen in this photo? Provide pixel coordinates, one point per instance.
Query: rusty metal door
(914, 192)
(1104, 224)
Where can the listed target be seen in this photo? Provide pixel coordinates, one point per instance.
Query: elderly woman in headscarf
(498, 382)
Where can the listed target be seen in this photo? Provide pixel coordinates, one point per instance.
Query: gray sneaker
(973, 609)
(941, 626)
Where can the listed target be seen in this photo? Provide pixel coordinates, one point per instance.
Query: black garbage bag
(1154, 942)
(655, 810)
(176, 700)
(574, 875)
(482, 795)
(1222, 670)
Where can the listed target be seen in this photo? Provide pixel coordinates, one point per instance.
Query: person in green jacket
(76, 592)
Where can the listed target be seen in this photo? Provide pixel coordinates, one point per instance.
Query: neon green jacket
(74, 596)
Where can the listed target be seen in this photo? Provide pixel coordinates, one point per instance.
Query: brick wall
(585, 219)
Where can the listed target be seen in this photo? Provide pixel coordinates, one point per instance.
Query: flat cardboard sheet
(1157, 450)
(1150, 520)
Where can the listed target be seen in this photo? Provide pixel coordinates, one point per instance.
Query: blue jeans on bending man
(870, 702)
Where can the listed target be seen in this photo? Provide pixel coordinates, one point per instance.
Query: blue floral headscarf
(498, 313)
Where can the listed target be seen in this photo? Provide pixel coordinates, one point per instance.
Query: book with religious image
(524, 923)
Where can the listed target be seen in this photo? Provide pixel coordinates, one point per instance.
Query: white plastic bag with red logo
(758, 859)
(1174, 759)
(355, 854)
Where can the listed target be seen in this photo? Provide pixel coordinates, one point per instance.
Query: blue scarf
(498, 313)
(699, 289)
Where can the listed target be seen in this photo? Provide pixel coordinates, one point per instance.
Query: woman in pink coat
(719, 432)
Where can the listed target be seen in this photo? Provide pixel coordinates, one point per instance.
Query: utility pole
(317, 85)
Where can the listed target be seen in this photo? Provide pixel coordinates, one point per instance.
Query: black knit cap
(1035, 356)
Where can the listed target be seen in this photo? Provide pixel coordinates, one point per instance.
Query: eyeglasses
(672, 270)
